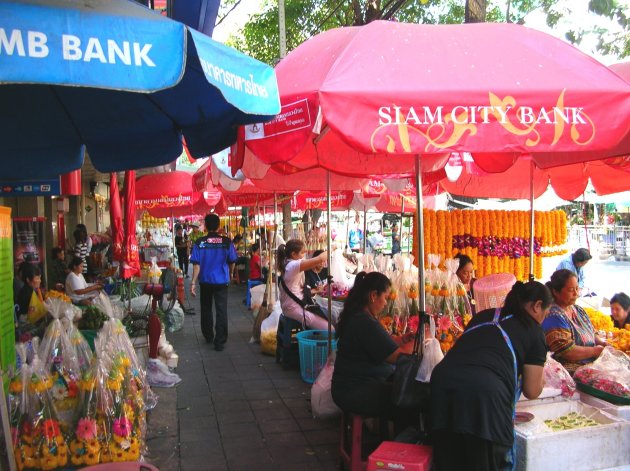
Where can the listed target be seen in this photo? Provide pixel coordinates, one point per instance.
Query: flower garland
(496, 241)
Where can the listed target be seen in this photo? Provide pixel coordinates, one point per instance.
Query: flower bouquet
(38, 441)
(60, 361)
(91, 434)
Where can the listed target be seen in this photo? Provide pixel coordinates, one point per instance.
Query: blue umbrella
(120, 80)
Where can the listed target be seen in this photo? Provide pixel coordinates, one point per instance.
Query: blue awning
(120, 80)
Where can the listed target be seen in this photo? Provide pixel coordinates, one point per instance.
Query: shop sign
(30, 188)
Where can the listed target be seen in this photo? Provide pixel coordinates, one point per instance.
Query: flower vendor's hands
(193, 289)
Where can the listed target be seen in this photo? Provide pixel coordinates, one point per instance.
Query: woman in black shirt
(365, 351)
(474, 389)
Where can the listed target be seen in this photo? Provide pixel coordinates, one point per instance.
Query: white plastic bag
(268, 330)
(154, 272)
(322, 402)
(431, 355)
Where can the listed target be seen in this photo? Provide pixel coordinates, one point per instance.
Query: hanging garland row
(496, 241)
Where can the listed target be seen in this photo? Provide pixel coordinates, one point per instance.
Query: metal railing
(613, 240)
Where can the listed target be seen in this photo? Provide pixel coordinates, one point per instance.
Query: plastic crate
(313, 346)
(400, 456)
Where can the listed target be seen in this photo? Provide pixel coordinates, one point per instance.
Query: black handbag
(407, 392)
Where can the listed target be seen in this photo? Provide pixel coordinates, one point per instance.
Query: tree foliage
(259, 37)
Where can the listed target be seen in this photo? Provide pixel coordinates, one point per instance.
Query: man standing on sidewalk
(213, 257)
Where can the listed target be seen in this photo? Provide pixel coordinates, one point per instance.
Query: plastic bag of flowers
(58, 304)
(90, 444)
(122, 343)
(17, 402)
(41, 444)
(127, 426)
(59, 358)
(82, 349)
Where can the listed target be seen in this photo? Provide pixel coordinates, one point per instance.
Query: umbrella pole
(274, 243)
(420, 235)
(328, 248)
(364, 228)
(531, 221)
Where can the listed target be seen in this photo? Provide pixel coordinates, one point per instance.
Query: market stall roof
(120, 80)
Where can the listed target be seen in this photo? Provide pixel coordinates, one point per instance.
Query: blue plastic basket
(313, 345)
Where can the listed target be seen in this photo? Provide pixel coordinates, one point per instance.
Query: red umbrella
(164, 190)
(131, 258)
(115, 215)
(354, 95)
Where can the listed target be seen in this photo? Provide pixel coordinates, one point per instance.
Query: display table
(602, 446)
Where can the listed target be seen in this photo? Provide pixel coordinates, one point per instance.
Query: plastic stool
(248, 294)
(287, 349)
(351, 443)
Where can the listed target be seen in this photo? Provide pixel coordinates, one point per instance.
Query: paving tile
(204, 431)
(262, 394)
(207, 449)
(290, 457)
(243, 429)
(308, 423)
(290, 439)
(235, 417)
(272, 414)
(278, 426)
(322, 437)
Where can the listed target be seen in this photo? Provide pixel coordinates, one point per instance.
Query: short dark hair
(212, 222)
(522, 293)
(622, 299)
(56, 251)
(75, 262)
(28, 271)
(581, 255)
(255, 247)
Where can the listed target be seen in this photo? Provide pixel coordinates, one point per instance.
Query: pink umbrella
(131, 258)
(115, 215)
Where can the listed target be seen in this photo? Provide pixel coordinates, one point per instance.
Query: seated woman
(568, 330)
(316, 276)
(77, 288)
(619, 309)
(366, 352)
(465, 274)
(30, 299)
(59, 270)
(475, 387)
(255, 264)
(291, 265)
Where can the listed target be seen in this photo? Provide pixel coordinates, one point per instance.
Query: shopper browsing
(213, 258)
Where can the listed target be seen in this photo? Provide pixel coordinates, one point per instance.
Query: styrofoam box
(612, 409)
(590, 448)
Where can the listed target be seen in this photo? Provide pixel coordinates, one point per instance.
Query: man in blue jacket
(213, 257)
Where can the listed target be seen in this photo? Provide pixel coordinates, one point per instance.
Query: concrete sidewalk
(235, 409)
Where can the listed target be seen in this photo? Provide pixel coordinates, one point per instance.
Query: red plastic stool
(396, 456)
(350, 444)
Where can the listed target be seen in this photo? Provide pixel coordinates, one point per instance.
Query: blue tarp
(121, 80)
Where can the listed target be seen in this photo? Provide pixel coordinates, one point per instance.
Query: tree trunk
(358, 13)
(475, 11)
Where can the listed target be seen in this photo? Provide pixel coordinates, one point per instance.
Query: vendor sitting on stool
(80, 291)
(366, 353)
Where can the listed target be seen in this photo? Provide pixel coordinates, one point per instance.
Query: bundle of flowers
(37, 439)
(59, 358)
